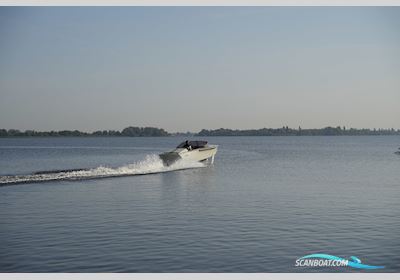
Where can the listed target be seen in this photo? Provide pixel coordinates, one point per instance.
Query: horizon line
(342, 127)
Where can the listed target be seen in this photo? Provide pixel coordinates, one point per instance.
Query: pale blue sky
(187, 68)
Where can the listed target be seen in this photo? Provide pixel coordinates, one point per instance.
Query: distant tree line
(286, 131)
(129, 132)
(134, 131)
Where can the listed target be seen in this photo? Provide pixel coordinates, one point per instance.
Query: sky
(189, 68)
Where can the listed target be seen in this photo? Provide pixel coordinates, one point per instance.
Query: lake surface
(264, 203)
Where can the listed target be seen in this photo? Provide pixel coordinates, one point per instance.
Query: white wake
(151, 164)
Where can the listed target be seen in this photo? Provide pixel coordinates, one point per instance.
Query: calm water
(266, 202)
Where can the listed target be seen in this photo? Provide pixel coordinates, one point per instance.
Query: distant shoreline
(159, 132)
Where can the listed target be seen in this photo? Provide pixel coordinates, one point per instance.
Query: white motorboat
(190, 151)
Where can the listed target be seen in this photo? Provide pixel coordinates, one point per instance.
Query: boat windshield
(193, 144)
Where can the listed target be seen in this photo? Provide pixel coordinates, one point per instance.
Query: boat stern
(169, 158)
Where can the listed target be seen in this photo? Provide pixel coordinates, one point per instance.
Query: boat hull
(195, 155)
